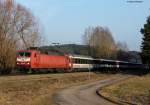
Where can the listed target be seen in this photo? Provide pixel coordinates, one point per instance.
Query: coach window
(87, 61)
(80, 61)
(90, 62)
(73, 60)
(76, 61)
(84, 61)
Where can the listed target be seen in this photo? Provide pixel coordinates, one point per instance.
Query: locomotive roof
(41, 51)
(25, 50)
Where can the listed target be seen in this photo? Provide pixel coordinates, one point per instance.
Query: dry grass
(135, 90)
(38, 89)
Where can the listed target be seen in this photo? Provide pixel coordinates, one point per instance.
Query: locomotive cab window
(24, 54)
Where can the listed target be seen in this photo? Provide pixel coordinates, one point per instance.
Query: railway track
(86, 94)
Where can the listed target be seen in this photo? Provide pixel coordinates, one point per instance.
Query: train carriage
(81, 62)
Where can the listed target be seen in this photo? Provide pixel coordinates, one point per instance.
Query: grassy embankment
(38, 89)
(135, 90)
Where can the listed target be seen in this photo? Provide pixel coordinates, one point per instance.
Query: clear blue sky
(64, 21)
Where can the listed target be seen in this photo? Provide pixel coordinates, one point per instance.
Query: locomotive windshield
(25, 54)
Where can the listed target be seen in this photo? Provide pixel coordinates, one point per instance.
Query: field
(134, 90)
(38, 89)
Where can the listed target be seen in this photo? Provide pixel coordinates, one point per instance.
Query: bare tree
(26, 27)
(18, 29)
(18, 23)
(100, 41)
(122, 46)
(123, 52)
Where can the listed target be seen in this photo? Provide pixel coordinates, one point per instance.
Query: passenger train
(36, 60)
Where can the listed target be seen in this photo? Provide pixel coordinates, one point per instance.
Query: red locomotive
(34, 59)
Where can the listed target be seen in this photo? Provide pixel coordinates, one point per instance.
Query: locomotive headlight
(69, 64)
(28, 59)
(18, 59)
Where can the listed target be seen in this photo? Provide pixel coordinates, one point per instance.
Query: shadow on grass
(138, 72)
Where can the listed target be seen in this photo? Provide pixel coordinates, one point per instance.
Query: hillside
(67, 49)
